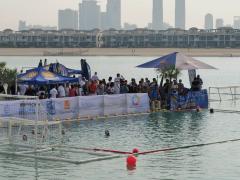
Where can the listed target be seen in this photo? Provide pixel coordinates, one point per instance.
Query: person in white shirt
(95, 77)
(117, 84)
(81, 82)
(53, 92)
(22, 89)
(61, 91)
(66, 90)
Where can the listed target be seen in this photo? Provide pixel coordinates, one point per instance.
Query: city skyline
(132, 11)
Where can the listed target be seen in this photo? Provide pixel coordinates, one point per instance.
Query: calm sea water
(148, 132)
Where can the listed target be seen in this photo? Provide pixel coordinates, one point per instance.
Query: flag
(192, 74)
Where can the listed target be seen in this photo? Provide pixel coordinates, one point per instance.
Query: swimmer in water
(107, 133)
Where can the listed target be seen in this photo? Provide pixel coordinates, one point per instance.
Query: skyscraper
(89, 15)
(157, 15)
(208, 21)
(67, 19)
(180, 14)
(114, 14)
(219, 23)
(104, 22)
(22, 25)
(236, 22)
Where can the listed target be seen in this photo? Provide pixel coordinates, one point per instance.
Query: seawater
(145, 132)
(227, 72)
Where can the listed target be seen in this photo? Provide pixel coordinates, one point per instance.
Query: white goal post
(22, 123)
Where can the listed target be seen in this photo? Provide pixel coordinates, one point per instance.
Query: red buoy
(135, 151)
(131, 160)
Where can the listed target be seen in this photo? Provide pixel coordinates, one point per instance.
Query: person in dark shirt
(195, 85)
(181, 87)
(40, 64)
(133, 86)
(124, 87)
(200, 82)
(30, 91)
(167, 86)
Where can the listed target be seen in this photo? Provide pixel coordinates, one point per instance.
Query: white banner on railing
(61, 108)
(137, 103)
(115, 104)
(74, 107)
(20, 108)
(91, 106)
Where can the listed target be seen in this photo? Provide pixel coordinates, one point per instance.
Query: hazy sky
(44, 12)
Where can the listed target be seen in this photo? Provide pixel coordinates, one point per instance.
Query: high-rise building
(22, 25)
(114, 14)
(219, 23)
(157, 15)
(104, 22)
(67, 19)
(236, 22)
(180, 14)
(208, 24)
(89, 15)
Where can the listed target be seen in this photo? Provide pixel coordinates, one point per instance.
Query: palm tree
(168, 72)
(7, 75)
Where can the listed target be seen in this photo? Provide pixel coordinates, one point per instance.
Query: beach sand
(117, 52)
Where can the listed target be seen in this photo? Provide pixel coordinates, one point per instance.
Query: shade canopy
(177, 60)
(60, 69)
(42, 76)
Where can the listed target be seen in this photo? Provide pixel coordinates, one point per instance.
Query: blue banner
(192, 100)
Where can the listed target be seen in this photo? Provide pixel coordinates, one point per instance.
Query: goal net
(27, 131)
(24, 124)
(227, 93)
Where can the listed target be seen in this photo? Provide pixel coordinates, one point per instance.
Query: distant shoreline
(117, 52)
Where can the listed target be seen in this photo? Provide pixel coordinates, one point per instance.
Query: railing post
(219, 94)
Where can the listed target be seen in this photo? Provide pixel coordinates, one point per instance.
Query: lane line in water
(187, 146)
(226, 111)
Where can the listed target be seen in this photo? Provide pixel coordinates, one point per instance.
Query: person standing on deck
(45, 62)
(200, 82)
(95, 77)
(61, 91)
(117, 84)
(92, 87)
(40, 64)
(53, 92)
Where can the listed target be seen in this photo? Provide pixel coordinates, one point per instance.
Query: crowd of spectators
(117, 85)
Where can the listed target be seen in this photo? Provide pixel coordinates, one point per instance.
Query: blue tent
(42, 76)
(60, 69)
(177, 60)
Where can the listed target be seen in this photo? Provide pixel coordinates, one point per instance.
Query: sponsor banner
(25, 109)
(61, 108)
(115, 104)
(91, 106)
(137, 103)
(66, 108)
(192, 100)
(74, 107)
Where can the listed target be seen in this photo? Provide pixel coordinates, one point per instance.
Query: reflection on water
(36, 169)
